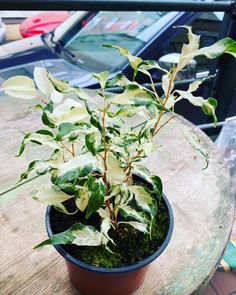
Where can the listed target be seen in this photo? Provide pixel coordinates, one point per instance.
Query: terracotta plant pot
(93, 280)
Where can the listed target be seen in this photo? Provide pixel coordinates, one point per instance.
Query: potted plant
(107, 214)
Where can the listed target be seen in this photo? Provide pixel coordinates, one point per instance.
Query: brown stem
(42, 100)
(63, 145)
(73, 150)
(164, 124)
(154, 89)
(167, 97)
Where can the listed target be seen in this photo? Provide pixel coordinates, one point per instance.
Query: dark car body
(74, 50)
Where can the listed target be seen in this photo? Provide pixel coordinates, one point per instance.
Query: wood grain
(202, 202)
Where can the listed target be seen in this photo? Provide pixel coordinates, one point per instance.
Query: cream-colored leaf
(42, 81)
(165, 84)
(48, 196)
(74, 115)
(138, 225)
(103, 213)
(20, 87)
(87, 236)
(56, 96)
(66, 106)
(76, 162)
(188, 50)
(115, 174)
(143, 199)
(82, 198)
(43, 139)
(105, 227)
(131, 212)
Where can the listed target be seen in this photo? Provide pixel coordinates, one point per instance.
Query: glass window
(131, 30)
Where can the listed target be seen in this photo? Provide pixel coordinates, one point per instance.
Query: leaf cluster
(95, 152)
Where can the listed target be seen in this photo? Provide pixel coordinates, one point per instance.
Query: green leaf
(209, 107)
(134, 61)
(92, 141)
(102, 78)
(49, 196)
(65, 129)
(95, 121)
(20, 87)
(97, 191)
(144, 199)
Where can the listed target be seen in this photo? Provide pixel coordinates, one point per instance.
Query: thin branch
(63, 145)
(42, 100)
(73, 150)
(164, 124)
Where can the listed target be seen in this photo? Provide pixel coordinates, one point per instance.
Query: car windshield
(125, 29)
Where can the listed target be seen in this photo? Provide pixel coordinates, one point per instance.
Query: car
(2, 30)
(42, 23)
(74, 49)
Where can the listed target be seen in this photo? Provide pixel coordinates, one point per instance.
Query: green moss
(131, 246)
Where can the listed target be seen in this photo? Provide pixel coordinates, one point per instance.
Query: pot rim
(115, 270)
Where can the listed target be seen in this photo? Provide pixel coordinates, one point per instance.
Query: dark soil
(131, 247)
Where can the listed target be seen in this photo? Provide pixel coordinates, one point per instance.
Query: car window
(207, 24)
(126, 29)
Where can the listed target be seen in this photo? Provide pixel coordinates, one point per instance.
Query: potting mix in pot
(108, 209)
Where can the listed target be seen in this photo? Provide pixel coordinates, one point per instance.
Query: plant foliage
(95, 153)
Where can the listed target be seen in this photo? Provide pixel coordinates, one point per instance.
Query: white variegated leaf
(115, 174)
(165, 84)
(226, 45)
(48, 196)
(66, 106)
(76, 162)
(103, 213)
(42, 81)
(137, 225)
(20, 87)
(43, 139)
(131, 212)
(188, 50)
(87, 236)
(170, 102)
(102, 78)
(56, 96)
(82, 198)
(144, 199)
(105, 227)
(74, 115)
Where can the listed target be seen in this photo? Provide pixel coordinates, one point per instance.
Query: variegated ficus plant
(95, 153)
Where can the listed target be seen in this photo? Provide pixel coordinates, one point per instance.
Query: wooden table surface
(202, 203)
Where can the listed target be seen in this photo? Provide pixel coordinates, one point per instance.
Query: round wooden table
(202, 203)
